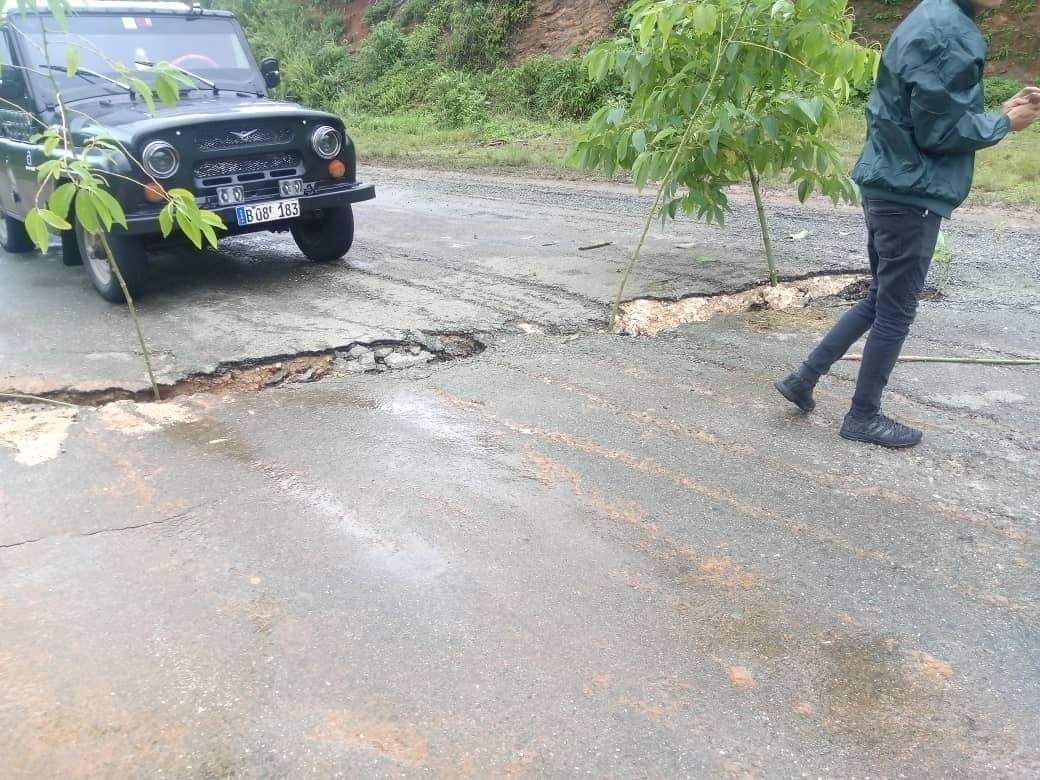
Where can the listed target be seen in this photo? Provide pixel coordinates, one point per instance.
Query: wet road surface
(573, 553)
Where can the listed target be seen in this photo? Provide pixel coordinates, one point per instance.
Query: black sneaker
(880, 430)
(797, 389)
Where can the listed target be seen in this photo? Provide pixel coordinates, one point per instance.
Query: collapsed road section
(263, 373)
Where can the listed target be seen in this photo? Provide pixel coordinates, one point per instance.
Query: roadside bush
(420, 45)
(381, 50)
(560, 89)
(502, 88)
(415, 11)
(379, 11)
(999, 90)
(455, 101)
(403, 87)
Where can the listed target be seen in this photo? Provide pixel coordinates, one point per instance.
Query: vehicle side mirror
(269, 70)
(12, 83)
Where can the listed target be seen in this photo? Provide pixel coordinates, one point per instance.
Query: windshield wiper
(201, 79)
(86, 73)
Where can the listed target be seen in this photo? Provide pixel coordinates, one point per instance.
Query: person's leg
(905, 239)
(852, 325)
(798, 386)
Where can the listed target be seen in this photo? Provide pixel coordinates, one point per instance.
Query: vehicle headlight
(326, 142)
(160, 159)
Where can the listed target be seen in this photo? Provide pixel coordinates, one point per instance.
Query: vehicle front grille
(249, 168)
(215, 141)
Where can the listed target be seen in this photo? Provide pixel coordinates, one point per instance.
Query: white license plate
(272, 211)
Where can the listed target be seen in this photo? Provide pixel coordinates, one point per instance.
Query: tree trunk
(774, 279)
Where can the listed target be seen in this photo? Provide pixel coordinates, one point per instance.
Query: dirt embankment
(559, 26)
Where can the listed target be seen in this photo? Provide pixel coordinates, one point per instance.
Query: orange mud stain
(730, 574)
(742, 677)
(399, 742)
(650, 467)
(932, 667)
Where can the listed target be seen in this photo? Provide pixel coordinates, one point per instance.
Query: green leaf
(639, 140)
(622, 147)
(111, 206)
(58, 9)
(100, 207)
(166, 220)
(71, 60)
(61, 199)
(771, 127)
(86, 214)
(167, 89)
(209, 234)
(212, 218)
(141, 87)
(641, 170)
(805, 188)
(36, 227)
(48, 170)
(52, 219)
(705, 18)
(189, 228)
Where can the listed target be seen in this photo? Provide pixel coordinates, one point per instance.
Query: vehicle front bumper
(147, 222)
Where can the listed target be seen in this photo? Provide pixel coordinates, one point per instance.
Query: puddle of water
(650, 317)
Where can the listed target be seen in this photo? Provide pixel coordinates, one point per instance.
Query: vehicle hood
(130, 122)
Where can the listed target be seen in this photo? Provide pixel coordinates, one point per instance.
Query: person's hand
(1024, 97)
(1023, 115)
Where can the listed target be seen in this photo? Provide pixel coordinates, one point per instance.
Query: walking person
(925, 121)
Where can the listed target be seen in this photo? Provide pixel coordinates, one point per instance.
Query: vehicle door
(17, 172)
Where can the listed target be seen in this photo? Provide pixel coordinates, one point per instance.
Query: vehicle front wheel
(130, 257)
(327, 237)
(13, 237)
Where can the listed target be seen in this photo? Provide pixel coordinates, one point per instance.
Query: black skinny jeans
(900, 242)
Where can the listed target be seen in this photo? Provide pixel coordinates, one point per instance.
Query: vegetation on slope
(432, 85)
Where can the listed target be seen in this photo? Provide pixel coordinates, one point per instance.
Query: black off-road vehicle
(262, 164)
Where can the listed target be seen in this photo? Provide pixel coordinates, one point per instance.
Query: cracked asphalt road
(575, 553)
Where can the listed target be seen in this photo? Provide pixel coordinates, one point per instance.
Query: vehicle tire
(130, 256)
(13, 237)
(328, 237)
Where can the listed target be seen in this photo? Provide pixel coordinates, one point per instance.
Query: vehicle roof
(118, 7)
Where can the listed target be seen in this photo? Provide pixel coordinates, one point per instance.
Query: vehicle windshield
(208, 46)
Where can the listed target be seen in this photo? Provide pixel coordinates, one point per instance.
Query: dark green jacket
(925, 117)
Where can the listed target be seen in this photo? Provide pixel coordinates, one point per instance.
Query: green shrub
(455, 102)
(415, 11)
(999, 90)
(403, 87)
(381, 50)
(420, 45)
(560, 89)
(379, 11)
(502, 88)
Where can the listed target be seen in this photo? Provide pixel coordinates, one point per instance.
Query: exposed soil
(648, 317)
(559, 26)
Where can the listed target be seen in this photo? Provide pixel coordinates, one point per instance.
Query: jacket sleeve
(943, 81)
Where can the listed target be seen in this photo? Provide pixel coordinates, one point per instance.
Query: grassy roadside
(1008, 174)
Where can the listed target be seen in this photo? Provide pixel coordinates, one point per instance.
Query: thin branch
(964, 360)
(37, 399)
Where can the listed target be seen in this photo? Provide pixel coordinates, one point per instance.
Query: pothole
(648, 317)
(247, 376)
